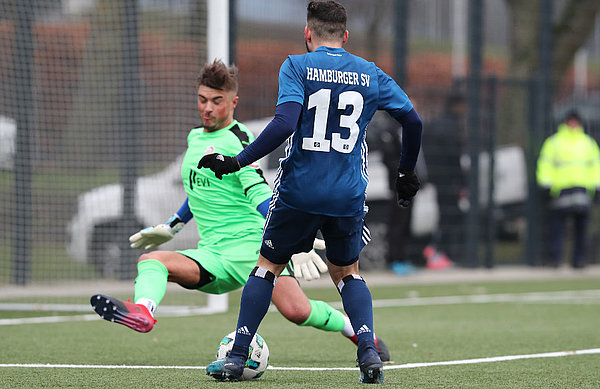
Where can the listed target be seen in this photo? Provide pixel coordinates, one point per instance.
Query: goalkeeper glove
(151, 237)
(407, 185)
(220, 164)
(307, 265)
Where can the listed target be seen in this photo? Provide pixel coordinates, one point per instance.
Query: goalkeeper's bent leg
(324, 317)
(151, 282)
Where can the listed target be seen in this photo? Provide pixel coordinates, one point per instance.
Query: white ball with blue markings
(258, 355)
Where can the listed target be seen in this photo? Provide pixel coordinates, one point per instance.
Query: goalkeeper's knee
(294, 311)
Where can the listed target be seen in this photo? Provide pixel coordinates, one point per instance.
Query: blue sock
(256, 298)
(359, 308)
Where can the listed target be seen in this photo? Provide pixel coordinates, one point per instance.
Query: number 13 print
(320, 100)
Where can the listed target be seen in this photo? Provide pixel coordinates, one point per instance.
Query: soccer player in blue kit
(326, 99)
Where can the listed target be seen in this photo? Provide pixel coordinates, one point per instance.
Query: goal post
(62, 185)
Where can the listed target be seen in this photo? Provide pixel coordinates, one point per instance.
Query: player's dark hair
(217, 75)
(326, 19)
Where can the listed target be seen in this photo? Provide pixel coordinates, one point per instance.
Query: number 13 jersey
(325, 167)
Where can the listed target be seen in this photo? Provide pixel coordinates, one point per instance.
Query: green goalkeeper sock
(151, 281)
(324, 317)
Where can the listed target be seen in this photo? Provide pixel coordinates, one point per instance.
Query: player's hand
(152, 237)
(407, 185)
(220, 164)
(308, 265)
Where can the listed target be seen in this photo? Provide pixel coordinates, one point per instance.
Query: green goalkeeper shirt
(223, 208)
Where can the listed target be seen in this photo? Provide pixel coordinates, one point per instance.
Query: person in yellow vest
(568, 171)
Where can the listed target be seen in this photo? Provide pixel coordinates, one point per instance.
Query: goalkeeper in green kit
(230, 214)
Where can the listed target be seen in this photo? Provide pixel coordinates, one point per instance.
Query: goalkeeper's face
(216, 107)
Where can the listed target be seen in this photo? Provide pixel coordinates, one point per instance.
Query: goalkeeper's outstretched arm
(184, 213)
(152, 237)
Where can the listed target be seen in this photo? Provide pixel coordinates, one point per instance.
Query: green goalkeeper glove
(308, 265)
(152, 237)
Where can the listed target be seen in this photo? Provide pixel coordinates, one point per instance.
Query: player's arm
(407, 182)
(151, 237)
(412, 128)
(276, 132)
(393, 100)
(290, 98)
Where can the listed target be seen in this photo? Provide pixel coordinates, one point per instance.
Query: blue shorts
(289, 231)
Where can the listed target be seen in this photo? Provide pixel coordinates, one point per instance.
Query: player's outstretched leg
(135, 316)
(226, 369)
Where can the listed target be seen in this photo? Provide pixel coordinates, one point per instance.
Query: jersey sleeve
(391, 96)
(291, 83)
(251, 178)
(254, 184)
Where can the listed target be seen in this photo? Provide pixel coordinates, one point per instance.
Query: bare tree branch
(571, 32)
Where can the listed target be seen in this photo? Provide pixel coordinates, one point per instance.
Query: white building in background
(8, 133)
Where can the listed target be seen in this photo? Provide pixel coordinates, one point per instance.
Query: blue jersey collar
(337, 50)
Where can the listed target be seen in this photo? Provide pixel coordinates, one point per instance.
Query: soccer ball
(258, 355)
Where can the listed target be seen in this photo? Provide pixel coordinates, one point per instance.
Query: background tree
(571, 28)
(372, 22)
(572, 23)
(92, 125)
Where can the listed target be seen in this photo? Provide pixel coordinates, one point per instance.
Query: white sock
(150, 304)
(348, 331)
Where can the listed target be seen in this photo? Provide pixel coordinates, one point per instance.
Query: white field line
(172, 312)
(168, 310)
(386, 367)
(47, 319)
(591, 296)
(568, 296)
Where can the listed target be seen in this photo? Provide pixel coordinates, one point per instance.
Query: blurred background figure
(568, 173)
(443, 145)
(398, 219)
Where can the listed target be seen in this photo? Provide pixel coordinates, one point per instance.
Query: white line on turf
(386, 367)
(48, 319)
(591, 296)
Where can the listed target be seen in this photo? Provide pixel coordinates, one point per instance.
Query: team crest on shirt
(209, 150)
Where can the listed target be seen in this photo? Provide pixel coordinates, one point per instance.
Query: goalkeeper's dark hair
(326, 19)
(217, 75)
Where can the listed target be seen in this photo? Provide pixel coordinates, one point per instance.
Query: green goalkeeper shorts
(229, 260)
